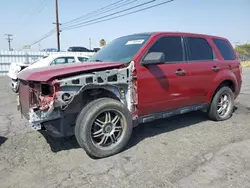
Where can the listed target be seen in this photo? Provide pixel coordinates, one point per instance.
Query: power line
(124, 10)
(133, 12)
(27, 17)
(38, 9)
(52, 31)
(77, 19)
(92, 22)
(97, 13)
(110, 5)
(9, 39)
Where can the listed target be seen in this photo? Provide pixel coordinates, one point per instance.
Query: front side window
(60, 60)
(63, 60)
(199, 49)
(122, 49)
(225, 49)
(171, 47)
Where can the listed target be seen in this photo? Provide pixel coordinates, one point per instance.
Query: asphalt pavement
(183, 151)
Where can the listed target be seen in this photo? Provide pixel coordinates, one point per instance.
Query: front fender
(222, 76)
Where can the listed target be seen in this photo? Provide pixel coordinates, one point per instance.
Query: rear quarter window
(225, 49)
(199, 49)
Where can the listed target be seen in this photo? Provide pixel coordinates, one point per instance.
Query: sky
(29, 20)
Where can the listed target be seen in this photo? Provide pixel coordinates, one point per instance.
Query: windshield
(38, 60)
(121, 50)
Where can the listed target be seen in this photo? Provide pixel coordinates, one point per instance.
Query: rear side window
(70, 60)
(199, 49)
(82, 59)
(225, 49)
(170, 46)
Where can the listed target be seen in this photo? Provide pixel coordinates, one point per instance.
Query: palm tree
(102, 42)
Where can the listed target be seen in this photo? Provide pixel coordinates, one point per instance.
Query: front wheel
(222, 104)
(104, 127)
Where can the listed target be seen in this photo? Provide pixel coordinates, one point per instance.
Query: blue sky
(22, 18)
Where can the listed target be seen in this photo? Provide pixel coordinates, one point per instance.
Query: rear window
(199, 49)
(225, 49)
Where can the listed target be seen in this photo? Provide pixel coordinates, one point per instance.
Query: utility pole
(90, 43)
(57, 27)
(39, 46)
(9, 39)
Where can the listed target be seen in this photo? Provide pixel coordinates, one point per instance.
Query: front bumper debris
(36, 118)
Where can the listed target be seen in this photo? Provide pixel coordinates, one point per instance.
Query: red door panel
(202, 73)
(161, 89)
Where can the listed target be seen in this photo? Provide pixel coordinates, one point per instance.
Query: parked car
(79, 49)
(15, 68)
(49, 50)
(134, 79)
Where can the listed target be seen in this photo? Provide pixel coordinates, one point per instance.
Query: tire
(86, 123)
(217, 104)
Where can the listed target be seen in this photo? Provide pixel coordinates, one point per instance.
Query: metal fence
(8, 57)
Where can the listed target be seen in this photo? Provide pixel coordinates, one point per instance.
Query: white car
(50, 60)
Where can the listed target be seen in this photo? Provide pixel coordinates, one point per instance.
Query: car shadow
(2, 140)
(140, 132)
(60, 144)
(163, 126)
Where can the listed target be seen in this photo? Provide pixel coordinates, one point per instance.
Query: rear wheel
(222, 104)
(103, 127)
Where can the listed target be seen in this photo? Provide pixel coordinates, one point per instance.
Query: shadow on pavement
(139, 133)
(2, 140)
(165, 125)
(60, 144)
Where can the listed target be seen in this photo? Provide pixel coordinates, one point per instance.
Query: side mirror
(154, 58)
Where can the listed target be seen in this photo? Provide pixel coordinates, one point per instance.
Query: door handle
(180, 72)
(215, 68)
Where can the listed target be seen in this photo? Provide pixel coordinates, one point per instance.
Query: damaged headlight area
(37, 102)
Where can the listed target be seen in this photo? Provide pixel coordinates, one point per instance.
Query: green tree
(102, 42)
(243, 49)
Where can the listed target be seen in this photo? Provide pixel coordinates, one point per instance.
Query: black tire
(213, 110)
(86, 120)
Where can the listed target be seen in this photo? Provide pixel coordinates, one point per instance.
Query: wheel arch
(226, 79)
(101, 92)
(231, 84)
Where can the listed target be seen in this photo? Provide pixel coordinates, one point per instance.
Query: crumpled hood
(44, 74)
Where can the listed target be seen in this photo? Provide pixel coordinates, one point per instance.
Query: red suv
(133, 79)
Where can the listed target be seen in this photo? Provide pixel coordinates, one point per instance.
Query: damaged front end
(37, 102)
(54, 105)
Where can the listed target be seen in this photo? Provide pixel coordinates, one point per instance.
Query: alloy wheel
(107, 129)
